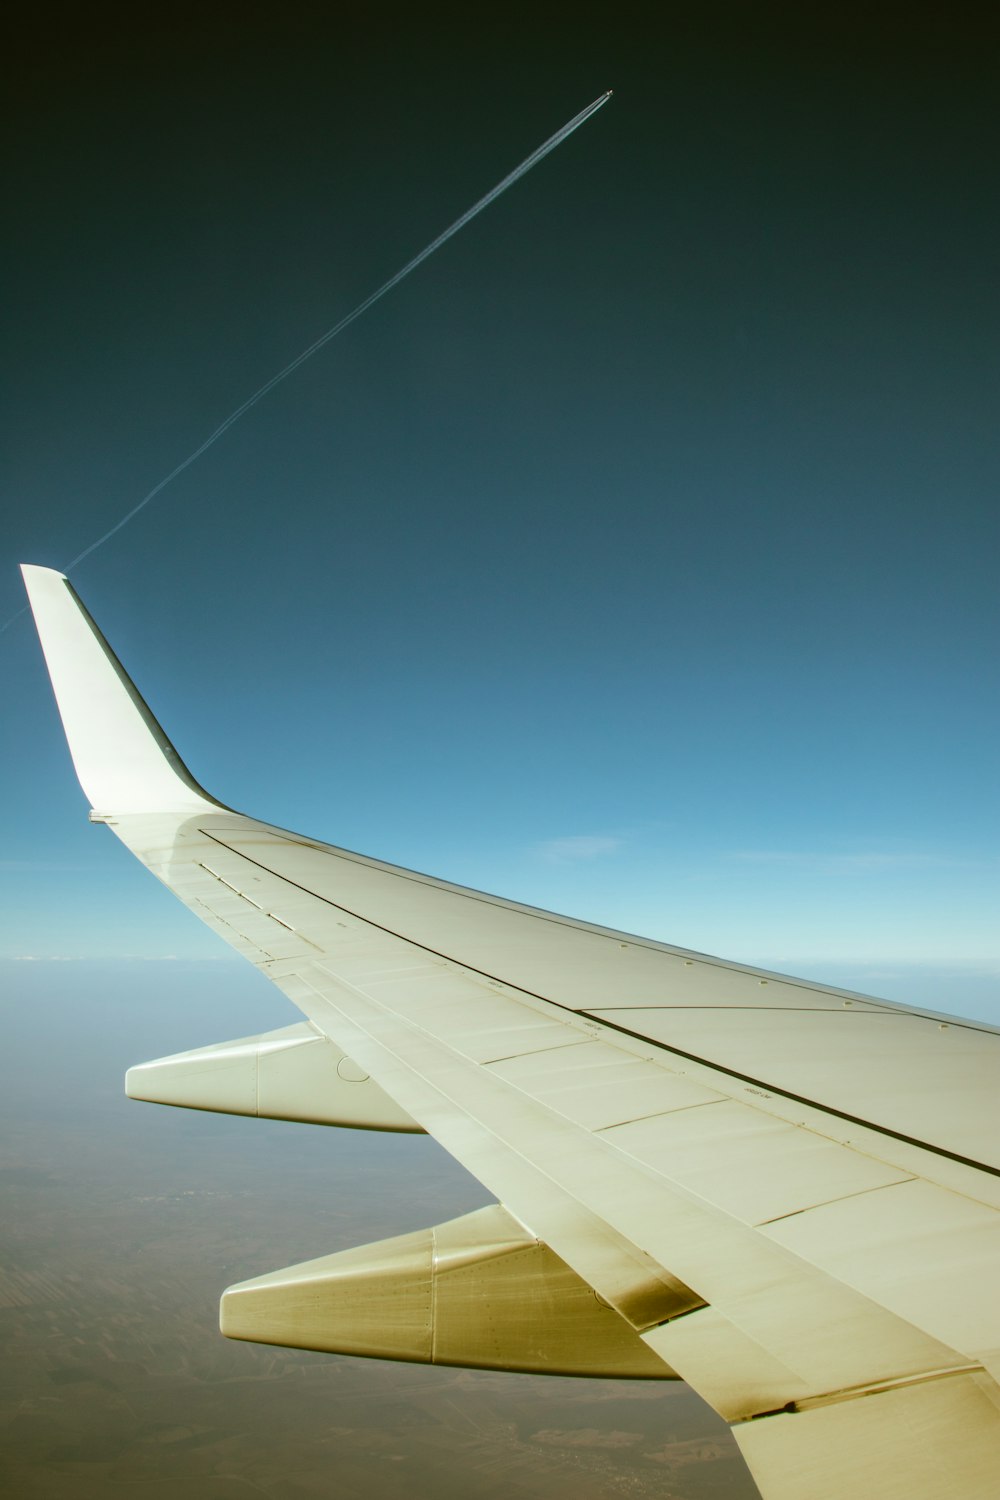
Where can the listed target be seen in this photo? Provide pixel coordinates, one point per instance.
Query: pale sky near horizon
(123, 1223)
(636, 558)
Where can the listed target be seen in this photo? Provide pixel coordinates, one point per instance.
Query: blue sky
(636, 558)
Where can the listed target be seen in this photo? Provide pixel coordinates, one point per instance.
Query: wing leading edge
(789, 1194)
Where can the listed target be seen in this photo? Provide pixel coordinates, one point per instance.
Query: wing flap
(930, 1255)
(811, 1325)
(934, 1441)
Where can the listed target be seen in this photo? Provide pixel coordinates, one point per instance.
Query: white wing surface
(787, 1195)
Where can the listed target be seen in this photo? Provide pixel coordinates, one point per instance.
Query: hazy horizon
(123, 1224)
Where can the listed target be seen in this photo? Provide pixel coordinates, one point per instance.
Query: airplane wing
(784, 1194)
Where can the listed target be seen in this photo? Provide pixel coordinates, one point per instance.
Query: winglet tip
(37, 577)
(123, 759)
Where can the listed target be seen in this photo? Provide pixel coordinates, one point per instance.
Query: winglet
(123, 758)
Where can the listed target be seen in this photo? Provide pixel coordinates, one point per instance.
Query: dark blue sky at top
(638, 555)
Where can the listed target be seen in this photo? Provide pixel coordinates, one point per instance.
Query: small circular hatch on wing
(350, 1072)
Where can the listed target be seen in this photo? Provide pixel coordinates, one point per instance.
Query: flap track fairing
(480, 1291)
(291, 1074)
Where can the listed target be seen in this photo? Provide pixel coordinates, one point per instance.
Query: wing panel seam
(598, 1019)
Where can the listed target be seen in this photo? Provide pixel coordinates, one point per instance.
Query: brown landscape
(123, 1222)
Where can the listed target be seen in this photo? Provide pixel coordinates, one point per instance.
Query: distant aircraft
(786, 1195)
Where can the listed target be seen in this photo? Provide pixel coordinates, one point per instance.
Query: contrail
(331, 333)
